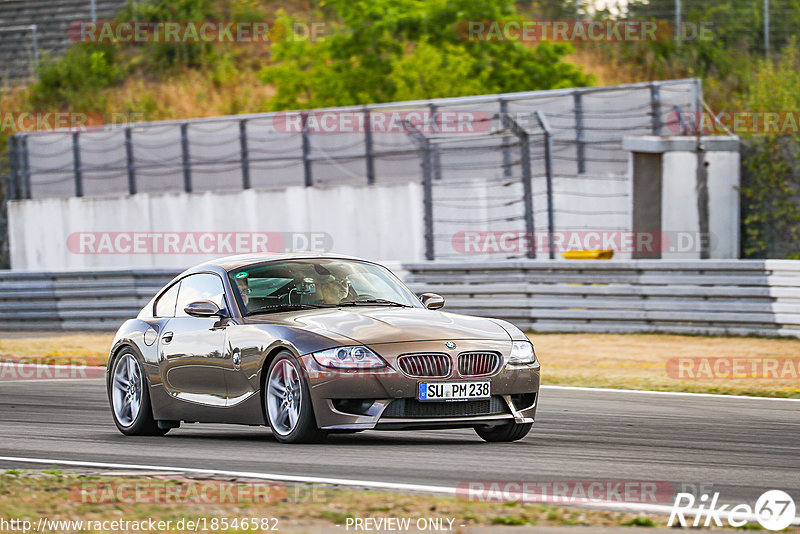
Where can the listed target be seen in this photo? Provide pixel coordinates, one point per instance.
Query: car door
(192, 349)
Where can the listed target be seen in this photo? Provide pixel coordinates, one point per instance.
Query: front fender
(257, 343)
(143, 337)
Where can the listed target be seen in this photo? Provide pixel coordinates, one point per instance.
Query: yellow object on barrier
(588, 254)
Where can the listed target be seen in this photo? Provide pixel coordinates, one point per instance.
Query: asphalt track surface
(739, 447)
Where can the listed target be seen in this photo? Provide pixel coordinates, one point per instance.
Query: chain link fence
(356, 145)
(483, 182)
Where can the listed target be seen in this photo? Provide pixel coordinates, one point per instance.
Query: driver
(333, 291)
(244, 291)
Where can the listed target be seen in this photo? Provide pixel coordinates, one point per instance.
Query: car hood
(376, 325)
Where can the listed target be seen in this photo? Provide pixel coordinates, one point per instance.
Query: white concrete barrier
(380, 221)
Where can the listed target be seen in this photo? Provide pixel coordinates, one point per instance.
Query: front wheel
(504, 433)
(288, 402)
(130, 398)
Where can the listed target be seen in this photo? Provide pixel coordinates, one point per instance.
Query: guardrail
(96, 300)
(687, 297)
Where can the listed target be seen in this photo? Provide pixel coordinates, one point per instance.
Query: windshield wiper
(373, 302)
(287, 307)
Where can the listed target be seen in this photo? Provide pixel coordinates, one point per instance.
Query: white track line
(670, 393)
(445, 490)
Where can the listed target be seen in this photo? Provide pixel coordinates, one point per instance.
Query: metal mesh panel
(410, 408)
(275, 150)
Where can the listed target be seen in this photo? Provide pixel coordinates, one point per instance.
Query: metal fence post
(25, 166)
(436, 156)
(678, 22)
(76, 164)
(655, 105)
(527, 181)
(701, 186)
(129, 160)
(527, 188)
(368, 151)
(245, 154)
(309, 179)
(506, 142)
(548, 164)
(427, 186)
(187, 166)
(580, 146)
(697, 102)
(424, 144)
(13, 177)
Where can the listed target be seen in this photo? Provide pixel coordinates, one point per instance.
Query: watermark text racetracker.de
(197, 242)
(177, 491)
(47, 369)
(733, 368)
(205, 31)
(640, 242)
(613, 31)
(12, 122)
(444, 121)
(567, 492)
(739, 122)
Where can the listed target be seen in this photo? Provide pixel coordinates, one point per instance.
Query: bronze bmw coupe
(312, 345)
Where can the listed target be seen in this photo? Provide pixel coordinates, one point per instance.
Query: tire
(504, 433)
(287, 402)
(128, 387)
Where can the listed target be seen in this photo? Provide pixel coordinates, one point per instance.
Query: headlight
(522, 353)
(349, 358)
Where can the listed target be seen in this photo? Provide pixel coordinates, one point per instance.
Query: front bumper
(390, 397)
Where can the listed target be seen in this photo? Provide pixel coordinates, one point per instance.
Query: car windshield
(316, 283)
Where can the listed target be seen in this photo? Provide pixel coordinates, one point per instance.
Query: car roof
(238, 261)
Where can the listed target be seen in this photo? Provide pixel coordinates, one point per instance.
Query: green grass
(640, 522)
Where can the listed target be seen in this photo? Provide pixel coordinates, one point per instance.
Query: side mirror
(203, 308)
(432, 301)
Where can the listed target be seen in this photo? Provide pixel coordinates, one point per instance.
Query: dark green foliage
(386, 50)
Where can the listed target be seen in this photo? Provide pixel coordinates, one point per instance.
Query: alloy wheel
(284, 397)
(127, 390)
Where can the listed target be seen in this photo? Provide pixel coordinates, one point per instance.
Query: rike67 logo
(774, 510)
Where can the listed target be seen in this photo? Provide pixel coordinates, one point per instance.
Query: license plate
(454, 391)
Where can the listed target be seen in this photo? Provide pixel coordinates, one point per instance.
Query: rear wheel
(130, 397)
(504, 433)
(288, 402)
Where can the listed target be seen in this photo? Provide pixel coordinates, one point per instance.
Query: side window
(165, 305)
(200, 287)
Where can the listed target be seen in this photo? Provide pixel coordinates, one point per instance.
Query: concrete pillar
(669, 195)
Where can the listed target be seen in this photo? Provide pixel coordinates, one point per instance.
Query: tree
(771, 161)
(388, 50)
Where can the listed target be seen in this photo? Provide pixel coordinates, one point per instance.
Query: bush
(771, 163)
(389, 50)
(170, 55)
(73, 80)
